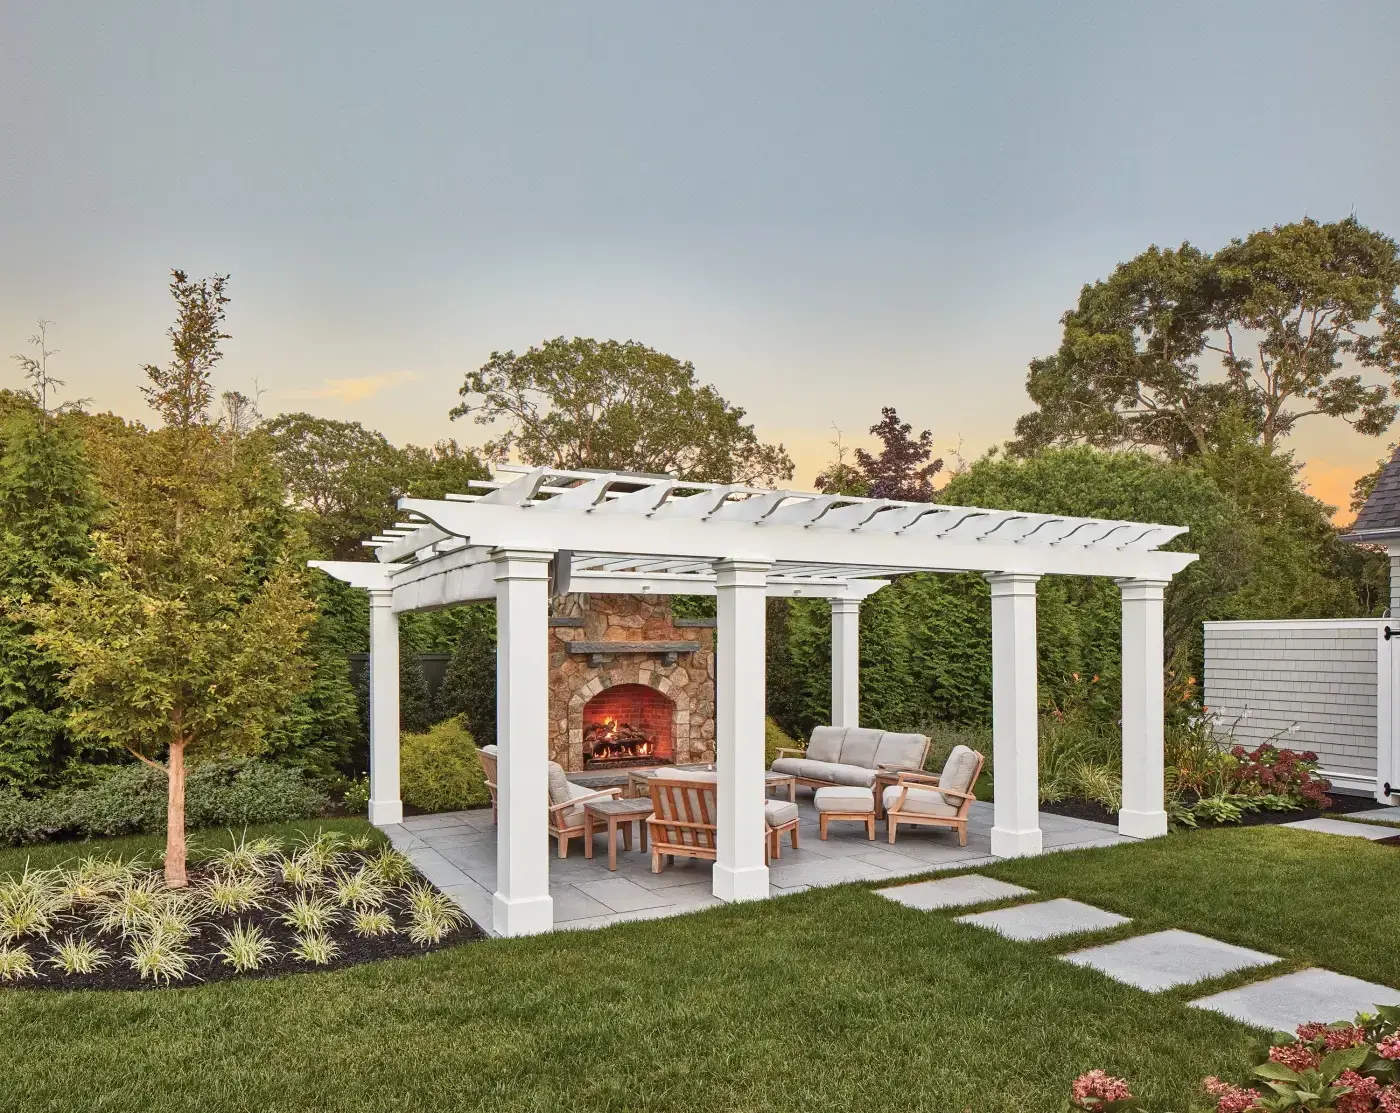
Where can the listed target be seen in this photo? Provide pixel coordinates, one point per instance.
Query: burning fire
(614, 741)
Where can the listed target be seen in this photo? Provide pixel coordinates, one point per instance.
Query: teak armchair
(682, 822)
(924, 799)
(487, 756)
(566, 819)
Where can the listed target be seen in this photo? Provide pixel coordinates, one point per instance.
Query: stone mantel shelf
(598, 652)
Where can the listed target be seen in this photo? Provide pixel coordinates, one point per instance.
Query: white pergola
(536, 531)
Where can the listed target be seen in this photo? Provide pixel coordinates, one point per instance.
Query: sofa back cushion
(825, 744)
(859, 746)
(903, 751)
(958, 770)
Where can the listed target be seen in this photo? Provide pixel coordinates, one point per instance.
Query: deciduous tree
(588, 404)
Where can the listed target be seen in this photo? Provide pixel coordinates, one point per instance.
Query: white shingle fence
(1322, 684)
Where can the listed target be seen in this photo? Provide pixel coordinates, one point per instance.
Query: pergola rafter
(527, 531)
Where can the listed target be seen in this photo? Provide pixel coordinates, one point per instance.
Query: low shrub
(439, 770)
(1347, 1067)
(131, 799)
(775, 739)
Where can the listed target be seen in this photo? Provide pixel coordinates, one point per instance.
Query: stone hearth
(673, 656)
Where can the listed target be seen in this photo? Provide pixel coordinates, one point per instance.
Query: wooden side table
(883, 779)
(615, 813)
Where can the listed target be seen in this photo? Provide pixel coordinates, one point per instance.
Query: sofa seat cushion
(792, 766)
(854, 775)
(920, 801)
(778, 812)
(573, 817)
(901, 751)
(859, 746)
(825, 743)
(844, 798)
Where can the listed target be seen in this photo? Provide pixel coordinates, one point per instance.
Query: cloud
(358, 388)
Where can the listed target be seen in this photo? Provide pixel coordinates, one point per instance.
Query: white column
(522, 904)
(385, 807)
(845, 662)
(740, 703)
(1015, 761)
(1143, 814)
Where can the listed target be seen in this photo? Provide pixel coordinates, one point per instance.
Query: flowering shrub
(1325, 1068)
(1269, 771)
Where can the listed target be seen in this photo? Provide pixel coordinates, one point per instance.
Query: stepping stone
(953, 892)
(1342, 827)
(1045, 919)
(1166, 958)
(1390, 814)
(1281, 1004)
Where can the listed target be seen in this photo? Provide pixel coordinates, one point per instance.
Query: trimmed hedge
(131, 799)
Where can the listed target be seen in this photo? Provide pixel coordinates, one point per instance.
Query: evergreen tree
(469, 688)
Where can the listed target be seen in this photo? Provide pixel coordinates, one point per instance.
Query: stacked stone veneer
(573, 681)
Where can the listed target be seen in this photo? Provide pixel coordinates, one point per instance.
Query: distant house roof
(1379, 519)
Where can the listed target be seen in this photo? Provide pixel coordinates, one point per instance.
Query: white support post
(1015, 761)
(740, 703)
(385, 806)
(522, 904)
(1143, 814)
(845, 662)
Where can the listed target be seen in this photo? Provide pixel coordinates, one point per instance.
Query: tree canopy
(1290, 317)
(618, 405)
(904, 469)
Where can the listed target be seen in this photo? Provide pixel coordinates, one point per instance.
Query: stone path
(1281, 1004)
(1045, 920)
(1163, 959)
(1341, 827)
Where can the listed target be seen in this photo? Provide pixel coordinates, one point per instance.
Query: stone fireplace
(630, 684)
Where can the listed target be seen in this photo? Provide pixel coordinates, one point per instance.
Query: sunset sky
(828, 208)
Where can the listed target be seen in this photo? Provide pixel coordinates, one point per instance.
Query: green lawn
(830, 999)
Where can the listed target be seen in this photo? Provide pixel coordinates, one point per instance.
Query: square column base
(527, 916)
(1015, 844)
(749, 883)
(384, 813)
(1142, 825)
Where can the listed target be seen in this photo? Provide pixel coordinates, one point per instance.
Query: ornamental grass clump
(162, 955)
(246, 948)
(96, 878)
(233, 893)
(131, 906)
(391, 866)
(432, 915)
(15, 964)
(31, 904)
(372, 923)
(309, 914)
(361, 889)
(247, 857)
(315, 947)
(75, 954)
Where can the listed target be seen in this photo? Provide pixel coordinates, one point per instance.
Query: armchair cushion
(778, 812)
(558, 784)
(825, 744)
(901, 751)
(920, 801)
(859, 747)
(573, 817)
(958, 769)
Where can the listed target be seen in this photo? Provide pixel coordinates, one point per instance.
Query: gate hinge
(1389, 633)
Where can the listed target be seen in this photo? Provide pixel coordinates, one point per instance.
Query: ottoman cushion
(778, 812)
(844, 798)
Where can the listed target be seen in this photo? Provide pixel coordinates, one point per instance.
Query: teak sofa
(851, 756)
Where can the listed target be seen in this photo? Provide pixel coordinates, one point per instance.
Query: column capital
(521, 564)
(1012, 583)
(845, 604)
(381, 597)
(740, 572)
(1143, 590)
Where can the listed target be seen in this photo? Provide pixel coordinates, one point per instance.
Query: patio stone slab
(1045, 919)
(622, 895)
(1281, 1004)
(1342, 827)
(953, 892)
(1167, 958)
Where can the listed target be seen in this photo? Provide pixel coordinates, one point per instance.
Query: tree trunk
(175, 876)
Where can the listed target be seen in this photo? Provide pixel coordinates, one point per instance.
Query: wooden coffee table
(615, 813)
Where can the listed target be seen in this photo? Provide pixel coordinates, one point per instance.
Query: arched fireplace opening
(627, 724)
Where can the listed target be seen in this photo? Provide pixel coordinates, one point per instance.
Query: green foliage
(468, 690)
(587, 404)
(48, 503)
(1279, 312)
(774, 739)
(439, 770)
(131, 798)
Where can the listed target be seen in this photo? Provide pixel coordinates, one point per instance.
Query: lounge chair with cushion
(487, 756)
(566, 801)
(683, 825)
(851, 756)
(935, 800)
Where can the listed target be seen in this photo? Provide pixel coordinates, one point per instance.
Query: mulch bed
(208, 965)
(1095, 812)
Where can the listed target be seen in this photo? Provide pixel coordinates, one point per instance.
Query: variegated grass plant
(161, 954)
(76, 954)
(371, 923)
(432, 916)
(308, 913)
(246, 857)
(391, 866)
(246, 947)
(232, 893)
(15, 964)
(31, 904)
(315, 947)
(362, 889)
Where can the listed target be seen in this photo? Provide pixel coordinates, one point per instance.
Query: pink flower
(1363, 1092)
(1389, 1048)
(1097, 1084)
(1231, 1099)
(1311, 1031)
(1343, 1036)
(1295, 1056)
(1389, 1100)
